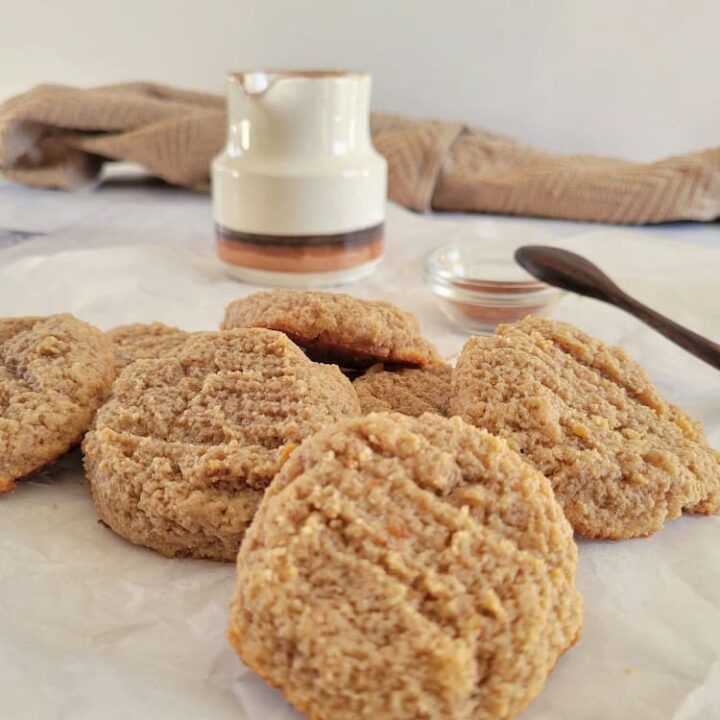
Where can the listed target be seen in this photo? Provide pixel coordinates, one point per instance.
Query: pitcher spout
(253, 83)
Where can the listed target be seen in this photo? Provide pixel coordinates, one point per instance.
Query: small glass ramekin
(478, 290)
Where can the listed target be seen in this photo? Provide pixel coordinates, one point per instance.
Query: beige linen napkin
(57, 136)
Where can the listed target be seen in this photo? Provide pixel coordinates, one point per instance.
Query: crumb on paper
(629, 670)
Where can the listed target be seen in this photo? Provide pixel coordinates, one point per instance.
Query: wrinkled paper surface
(94, 627)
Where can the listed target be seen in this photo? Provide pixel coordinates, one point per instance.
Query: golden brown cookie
(336, 328)
(410, 391)
(178, 459)
(54, 373)
(621, 460)
(144, 341)
(403, 569)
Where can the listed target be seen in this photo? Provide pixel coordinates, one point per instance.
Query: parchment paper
(92, 627)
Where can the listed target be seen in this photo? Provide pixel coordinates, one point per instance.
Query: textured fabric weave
(56, 136)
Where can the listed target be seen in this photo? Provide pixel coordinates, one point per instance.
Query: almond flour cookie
(337, 328)
(54, 373)
(406, 569)
(621, 460)
(141, 341)
(178, 459)
(410, 391)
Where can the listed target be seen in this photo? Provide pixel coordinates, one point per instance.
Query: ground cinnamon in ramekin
(488, 316)
(480, 304)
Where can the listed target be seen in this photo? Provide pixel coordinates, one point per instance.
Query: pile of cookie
(403, 530)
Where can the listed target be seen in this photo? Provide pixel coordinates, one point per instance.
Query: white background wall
(639, 78)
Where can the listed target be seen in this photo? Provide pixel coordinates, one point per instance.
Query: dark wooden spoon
(567, 270)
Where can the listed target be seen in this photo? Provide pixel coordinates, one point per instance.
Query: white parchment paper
(92, 627)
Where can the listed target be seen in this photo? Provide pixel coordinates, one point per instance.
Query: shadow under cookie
(337, 328)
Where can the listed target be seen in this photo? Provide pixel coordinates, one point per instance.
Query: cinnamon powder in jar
(478, 293)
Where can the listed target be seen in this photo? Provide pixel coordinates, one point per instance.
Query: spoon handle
(698, 345)
(567, 270)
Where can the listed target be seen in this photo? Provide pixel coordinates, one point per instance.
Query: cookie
(403, 569)
(144, 341)
(337, 328)
(54, 373)
(179, 457)
(410, 391)
(621, 460)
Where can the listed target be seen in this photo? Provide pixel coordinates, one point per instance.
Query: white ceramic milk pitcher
(299, 191)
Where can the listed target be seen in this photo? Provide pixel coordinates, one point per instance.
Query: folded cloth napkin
(57, 136)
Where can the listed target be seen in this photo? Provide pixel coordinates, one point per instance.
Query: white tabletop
(94, 627)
